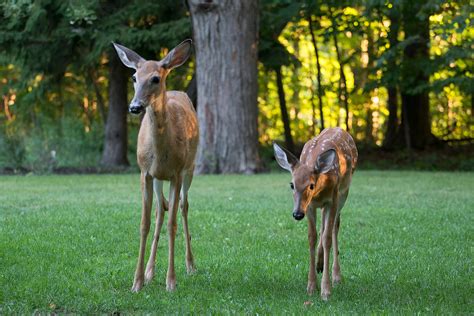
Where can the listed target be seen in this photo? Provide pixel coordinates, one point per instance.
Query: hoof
(137, 286)
(171, 286)
(336, 279)
(149, 274)
(310, 288)
(190, 269)
(325, 295)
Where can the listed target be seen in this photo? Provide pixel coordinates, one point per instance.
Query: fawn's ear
(325, 161)
(178, 55)
(128, 57)
(285, 158)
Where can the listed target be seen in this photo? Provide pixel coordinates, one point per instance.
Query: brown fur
(166, 150)
(330, 190)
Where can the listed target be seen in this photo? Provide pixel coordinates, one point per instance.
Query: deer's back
(344, 145)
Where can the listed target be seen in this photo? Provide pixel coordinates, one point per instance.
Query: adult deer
(166, 149)
(321, 179)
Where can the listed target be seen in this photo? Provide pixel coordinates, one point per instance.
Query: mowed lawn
(70, 243)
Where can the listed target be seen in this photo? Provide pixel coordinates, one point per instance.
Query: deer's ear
(326, 161)
(128, 57)
(178, 55)
(285, 159)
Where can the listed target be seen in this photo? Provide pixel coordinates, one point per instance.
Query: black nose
(298, 215)
(136, 109)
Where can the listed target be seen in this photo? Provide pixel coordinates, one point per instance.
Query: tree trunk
(284, 112)
(115, 145)
(392, 122)
(369, 127)
(415, 104)
(318, 67)
(226, 36)
(343, 94)
(92, 77)
(191, 91)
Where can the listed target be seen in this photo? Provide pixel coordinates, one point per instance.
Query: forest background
(398, 75)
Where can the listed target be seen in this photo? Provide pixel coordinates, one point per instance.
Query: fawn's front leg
(175, 187)
(312, 236)
(147, 198)
(326, 241)
(320, 264)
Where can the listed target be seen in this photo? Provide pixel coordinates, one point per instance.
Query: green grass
(69, 244)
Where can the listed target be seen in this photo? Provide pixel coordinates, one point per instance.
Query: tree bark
(369, 127)
(115, 145)
(343, 94)
(100, 100)
(415, 104)
(284, 112)
(319, 76)
(392, 122)
(191, 91)
(226, 36)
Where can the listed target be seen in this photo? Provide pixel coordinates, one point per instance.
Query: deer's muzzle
(298, 215)
(136, 107)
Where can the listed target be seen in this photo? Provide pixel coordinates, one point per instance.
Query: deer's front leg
(320, 265)
(326, 240)
(175, 188)
(312, 236)
(147, 198)
(160, 214)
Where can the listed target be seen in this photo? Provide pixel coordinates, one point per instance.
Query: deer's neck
(157, 114)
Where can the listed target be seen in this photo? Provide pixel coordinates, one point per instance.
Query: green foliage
(54, 57)
(68, 244)
(54, 71)
(51, 146)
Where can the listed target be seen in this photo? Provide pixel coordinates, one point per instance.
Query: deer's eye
(155, 79)
(134, 78)
(292, 186)
(311, 186)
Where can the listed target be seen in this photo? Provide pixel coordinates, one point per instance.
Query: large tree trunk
(415, 104)
(284, 112)
(191, 91)
(226, 35)
(392, 122)
(115, 145)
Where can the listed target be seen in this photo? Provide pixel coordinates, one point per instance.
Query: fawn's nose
(136, 107)
(298, 215)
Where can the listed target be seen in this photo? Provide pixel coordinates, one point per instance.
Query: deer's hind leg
(336, 269)
(187, 179)
(175, 188)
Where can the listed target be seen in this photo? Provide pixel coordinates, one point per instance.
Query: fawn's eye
(155, 79)
(311, 186)
(292, 186)
(134, 78)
